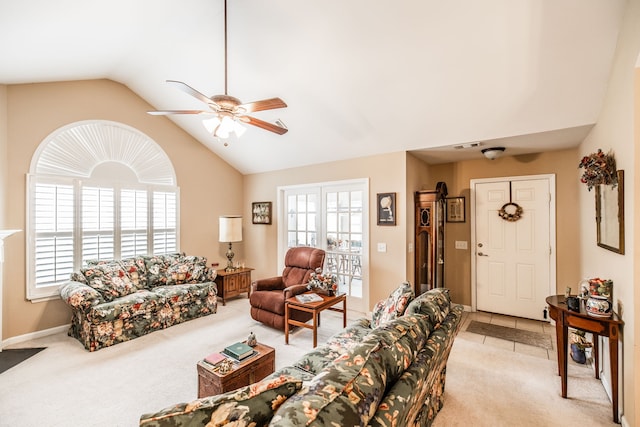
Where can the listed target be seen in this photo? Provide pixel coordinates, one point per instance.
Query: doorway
(331, 216)
(513, 237)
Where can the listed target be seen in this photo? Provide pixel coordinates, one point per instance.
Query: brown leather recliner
(268, 295)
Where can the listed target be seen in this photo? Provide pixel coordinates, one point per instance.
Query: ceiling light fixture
(229, 113)
(225, 122)
(493, 153)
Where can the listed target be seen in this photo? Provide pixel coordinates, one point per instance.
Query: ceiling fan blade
(264, 125)
(265, 104)
(167, 112)
(191, 91)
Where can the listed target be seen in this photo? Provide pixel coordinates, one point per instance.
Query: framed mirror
(610, 215)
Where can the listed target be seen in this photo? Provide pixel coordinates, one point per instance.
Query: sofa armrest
(80, 296)
(294, 290)
(270, 284)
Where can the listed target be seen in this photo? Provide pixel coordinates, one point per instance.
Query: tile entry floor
(517, 323)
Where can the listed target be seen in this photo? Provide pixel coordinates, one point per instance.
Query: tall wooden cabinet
(429, 238)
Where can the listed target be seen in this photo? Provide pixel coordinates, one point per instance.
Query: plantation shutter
(53, 223)
(98, 223)
(165, 215)
(133, 223)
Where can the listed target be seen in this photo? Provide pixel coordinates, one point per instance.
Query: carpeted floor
(537, 339)
(10, 358)
(67, 386)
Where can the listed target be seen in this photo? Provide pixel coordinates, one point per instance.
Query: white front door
(514, 253)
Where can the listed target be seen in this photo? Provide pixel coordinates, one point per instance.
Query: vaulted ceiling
(360, 77)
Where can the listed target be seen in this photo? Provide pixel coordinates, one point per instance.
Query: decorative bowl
(599, 306)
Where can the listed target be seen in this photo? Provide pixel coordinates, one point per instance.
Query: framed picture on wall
(386, 208)
(261, 212)
(455, 209)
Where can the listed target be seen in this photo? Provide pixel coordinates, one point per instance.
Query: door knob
(481, 254)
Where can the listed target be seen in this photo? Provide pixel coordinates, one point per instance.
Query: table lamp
(230, 230)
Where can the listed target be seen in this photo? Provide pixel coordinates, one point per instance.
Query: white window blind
(134, 222)
(53, 224)
(165, 221)
(79, 221)
(98, 223)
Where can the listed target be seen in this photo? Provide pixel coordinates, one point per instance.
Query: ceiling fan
(227, 111)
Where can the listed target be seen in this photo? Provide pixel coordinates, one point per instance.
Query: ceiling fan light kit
(493, 153)
(222, 128)
(228, 111)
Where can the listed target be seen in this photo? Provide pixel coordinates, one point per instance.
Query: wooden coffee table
(212, 382)
(327, 303)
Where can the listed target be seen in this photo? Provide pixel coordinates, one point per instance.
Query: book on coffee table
(312, 297)
(238, 351)
(215, 358)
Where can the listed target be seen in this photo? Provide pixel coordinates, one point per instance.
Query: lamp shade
(230, 228)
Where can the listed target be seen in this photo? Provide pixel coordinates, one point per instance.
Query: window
(101, 201)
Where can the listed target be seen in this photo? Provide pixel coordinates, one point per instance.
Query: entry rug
(10, 358)
(537, 339)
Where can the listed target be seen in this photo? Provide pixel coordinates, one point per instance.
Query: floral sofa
(115, 301)
(387, 371)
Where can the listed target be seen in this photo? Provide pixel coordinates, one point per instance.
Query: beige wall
(636, 257)
(615, 131)
(37, 110)
(386, 173)
(3, 154)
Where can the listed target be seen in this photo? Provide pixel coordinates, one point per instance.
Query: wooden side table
(233, 283)
(315, 308)
(254, 369)
(609, 327)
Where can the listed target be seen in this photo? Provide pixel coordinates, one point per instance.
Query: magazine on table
(312, 297)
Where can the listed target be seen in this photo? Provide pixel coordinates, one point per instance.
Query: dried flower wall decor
(599, 168)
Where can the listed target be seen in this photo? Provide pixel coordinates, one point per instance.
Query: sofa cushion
(348, 392)
(392, 307)
(178, 295)
(253, 405)
(140, 303)
(136, 269)
(156, 266)
(110, 279)
(187, 269)
(434, 303)
(336, 346)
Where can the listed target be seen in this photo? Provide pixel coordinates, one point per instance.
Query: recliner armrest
(294, 290)
(270, 284)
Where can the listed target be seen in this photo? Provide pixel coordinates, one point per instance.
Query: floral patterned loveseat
(387, 371)
(118, 300)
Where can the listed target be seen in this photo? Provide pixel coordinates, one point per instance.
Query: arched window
(96, 190)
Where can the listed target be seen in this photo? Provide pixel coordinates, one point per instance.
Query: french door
(332, 216)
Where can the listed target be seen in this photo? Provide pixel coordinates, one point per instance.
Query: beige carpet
(66, 386)
(489, 386)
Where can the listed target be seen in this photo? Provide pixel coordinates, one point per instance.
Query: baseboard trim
(35, 335)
